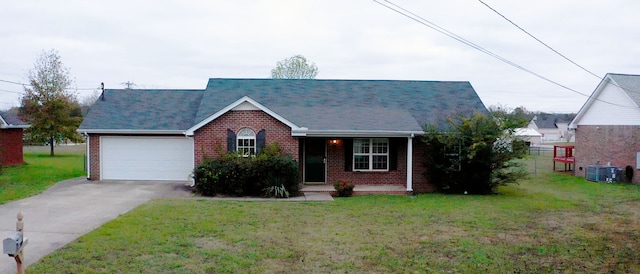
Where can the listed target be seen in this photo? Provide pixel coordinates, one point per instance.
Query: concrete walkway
(75, 207)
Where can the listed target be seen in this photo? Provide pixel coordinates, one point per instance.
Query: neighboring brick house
(11, 133)
(608, 126)
(364, 130)
(553, 127)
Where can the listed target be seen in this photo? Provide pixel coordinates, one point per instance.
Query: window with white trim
(246, 142)
(371, 154)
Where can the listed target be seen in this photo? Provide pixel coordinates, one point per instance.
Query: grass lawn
(548, 223)
(40, 171)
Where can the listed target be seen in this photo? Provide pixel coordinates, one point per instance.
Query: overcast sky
(180, 44)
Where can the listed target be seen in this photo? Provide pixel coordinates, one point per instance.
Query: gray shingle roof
(551, 120)
(629, 83)
(134, 109)
(315, 104)
(11, 120)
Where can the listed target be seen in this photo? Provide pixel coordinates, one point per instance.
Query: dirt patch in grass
(441, 233)
(210, 243)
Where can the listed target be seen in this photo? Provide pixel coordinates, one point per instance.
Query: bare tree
(295, 67)
(88, 101)
(48, 104)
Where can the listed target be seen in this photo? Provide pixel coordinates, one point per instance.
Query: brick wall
(94, 157)
(599, 145)
(11, 147)
(211, 138)
(336, 168)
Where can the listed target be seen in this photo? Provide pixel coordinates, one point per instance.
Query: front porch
(358, 189)
(380, 165)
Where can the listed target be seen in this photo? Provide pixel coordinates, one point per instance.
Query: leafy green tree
(475, 155)
(48, 105)
(295, 67)
(517, 117)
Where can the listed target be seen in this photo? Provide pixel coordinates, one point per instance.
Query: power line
(11, 82)
(16, 92)
(552, 49)
(23, 84)
(539, 41)
(404, 12)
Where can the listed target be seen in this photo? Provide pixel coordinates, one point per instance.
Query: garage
(146, 158)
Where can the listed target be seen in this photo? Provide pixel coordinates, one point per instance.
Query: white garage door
(146, 158)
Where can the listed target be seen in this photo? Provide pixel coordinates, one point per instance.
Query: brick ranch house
(11, 134)
(364, 130)
(608, 126)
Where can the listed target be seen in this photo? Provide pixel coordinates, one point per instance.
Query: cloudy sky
(180, 44)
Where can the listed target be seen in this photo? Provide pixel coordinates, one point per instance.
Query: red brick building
(365, 131)
(11, 133)
(608, 127)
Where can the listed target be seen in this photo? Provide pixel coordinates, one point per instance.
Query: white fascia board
(130, 131)
(228, 108)
(594, 96)
(356, 133)
(12, 126)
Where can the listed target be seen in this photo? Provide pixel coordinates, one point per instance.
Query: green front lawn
(550, 223)
(39, 173)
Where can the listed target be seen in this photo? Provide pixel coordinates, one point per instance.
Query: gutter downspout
(193, 156)
(410, 163)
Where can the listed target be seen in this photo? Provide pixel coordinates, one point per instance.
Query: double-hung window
(371, 154)
(246, 142)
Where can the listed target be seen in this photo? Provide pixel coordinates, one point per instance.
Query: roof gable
(243, 103)
(630, 84)
(616, 100)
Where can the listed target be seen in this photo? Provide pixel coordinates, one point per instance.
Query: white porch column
(410, 163)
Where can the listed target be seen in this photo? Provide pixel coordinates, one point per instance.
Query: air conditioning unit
(603, 174)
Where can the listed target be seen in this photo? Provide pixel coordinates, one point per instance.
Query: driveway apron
(72, 208)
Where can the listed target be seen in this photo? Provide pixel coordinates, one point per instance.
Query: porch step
(358, 189)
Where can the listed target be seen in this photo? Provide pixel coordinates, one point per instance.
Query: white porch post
(410, 163)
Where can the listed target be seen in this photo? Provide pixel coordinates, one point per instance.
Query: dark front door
(314, 160)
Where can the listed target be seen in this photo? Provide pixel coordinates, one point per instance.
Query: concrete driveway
(74, 207)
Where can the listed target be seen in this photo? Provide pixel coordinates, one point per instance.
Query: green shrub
(226, 175)
(475, 155)
(344, 187)
(231, 174)
(274, 170)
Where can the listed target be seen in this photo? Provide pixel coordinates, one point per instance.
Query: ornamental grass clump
(344, 187)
